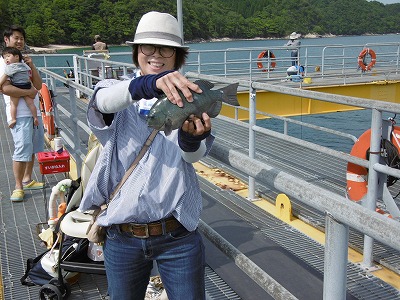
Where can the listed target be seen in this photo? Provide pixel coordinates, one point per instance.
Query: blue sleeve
(144, 87)
(190, 143)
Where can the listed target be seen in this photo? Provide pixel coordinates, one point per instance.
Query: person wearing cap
(294, 43)
(155, 214)
(98, 44)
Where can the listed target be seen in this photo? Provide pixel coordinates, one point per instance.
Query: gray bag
(96, 233)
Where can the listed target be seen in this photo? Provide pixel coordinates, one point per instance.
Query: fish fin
(168, 127)
(204, 83)
(215, 109)
(229, 94)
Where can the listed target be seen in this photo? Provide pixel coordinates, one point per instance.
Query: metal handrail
(339, 232)
(243, 61)
(342, 213)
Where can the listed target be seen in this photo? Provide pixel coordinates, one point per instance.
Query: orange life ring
(46, 107)
(272, 64)
(362, 55)
(357, 176)
(382, 212)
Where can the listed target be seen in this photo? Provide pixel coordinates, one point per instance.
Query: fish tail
(229, 94)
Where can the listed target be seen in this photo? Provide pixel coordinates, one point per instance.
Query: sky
(389, 1)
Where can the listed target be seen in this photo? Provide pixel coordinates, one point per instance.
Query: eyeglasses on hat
(165, 51)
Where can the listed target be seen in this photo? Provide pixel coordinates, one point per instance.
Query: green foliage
(77, 21)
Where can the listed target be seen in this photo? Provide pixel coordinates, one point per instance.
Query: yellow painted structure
(284, 208)
(287, 105)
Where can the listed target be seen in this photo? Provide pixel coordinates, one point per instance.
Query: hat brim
(153, 41)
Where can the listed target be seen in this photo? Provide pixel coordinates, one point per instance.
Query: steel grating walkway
(252, 231)
(360, 284)
(20, 223)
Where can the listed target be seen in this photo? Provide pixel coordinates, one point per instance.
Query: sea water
(262, 43)
(353, 122)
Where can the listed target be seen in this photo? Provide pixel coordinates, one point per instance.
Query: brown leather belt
(143, 231)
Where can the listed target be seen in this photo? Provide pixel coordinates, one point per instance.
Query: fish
(166, 116)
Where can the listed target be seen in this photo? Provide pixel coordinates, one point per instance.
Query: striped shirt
(162, 184)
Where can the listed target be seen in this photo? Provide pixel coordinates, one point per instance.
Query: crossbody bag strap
(146, 145)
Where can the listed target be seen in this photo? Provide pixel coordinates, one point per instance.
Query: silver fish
(166, 116)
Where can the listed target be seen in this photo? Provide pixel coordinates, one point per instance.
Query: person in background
(17, 72)
(155, 214)
(295, 43)
(28, 139)
(293, 71)
(99, 44)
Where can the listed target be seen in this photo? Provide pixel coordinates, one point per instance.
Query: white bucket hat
(157, 28)
(294, 35)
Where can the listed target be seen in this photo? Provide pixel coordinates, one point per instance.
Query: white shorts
(28, 139)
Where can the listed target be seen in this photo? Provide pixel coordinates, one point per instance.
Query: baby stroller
(64, 218)
(69, 222)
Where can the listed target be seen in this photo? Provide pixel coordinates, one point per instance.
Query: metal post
(252, 148)
(398, 59)
(75, 128)
(370, 201)
(285, 127)
(179, 14)
(335, 263)
(77, 75)
(53, 87)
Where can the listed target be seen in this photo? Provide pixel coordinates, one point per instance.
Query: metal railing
(325, 62)
(338, 63)
(70, 133)
(340, 213)
(374, 105)
(302, 192)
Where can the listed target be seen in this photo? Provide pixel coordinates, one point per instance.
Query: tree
(77, 21)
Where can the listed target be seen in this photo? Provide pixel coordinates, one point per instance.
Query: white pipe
(57, 190)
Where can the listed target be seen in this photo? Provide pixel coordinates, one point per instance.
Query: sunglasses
(165, 51)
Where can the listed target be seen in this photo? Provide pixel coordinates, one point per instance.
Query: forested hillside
(77, 21)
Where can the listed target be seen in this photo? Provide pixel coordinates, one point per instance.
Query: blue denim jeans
(179, 256)
(295, 59)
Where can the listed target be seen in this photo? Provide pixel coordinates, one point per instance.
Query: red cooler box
(52, 162)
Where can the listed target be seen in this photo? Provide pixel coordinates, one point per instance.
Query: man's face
(16, 40)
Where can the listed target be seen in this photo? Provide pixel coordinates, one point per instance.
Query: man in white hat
(155, 214)
(294, 43)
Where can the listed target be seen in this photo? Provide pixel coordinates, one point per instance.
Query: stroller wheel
(49, 291)
(64, 288)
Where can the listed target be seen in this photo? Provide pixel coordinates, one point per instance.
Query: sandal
(33, 185)
(17, 196)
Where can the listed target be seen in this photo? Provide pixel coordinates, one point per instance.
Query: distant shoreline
(53, 48)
